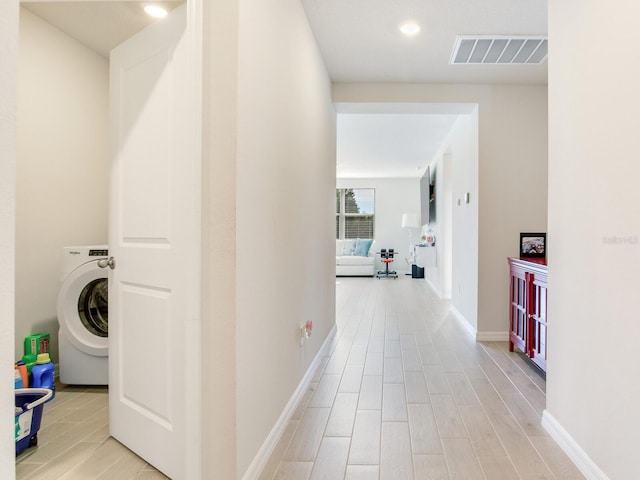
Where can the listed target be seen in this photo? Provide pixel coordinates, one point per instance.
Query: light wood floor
(74, 442)
(406, 393)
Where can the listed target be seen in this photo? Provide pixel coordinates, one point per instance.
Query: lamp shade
(410, 220)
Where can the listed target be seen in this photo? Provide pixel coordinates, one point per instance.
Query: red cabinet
(528, 309)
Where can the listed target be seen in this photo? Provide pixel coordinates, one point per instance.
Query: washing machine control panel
(99, 253)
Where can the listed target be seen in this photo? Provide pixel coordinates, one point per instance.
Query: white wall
(393, 196)
(465, 263)
(8, 105)
(456, 172)
(593, 386)
(62, 166)
(512, 129)
(437, 226)
(219, 151)
(513, 144)
(285, 203)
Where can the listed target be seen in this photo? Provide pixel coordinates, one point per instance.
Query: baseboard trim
(492, 336)
(465, 323)
(479, 336)
(435, 289)
(577, 455)
(269, 445)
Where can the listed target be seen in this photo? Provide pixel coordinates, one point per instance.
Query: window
(355, 208)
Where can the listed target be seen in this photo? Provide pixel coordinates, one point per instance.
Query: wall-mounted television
(428, 196)
(425, 194)
(432, 196)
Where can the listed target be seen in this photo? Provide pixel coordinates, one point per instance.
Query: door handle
(110, 262)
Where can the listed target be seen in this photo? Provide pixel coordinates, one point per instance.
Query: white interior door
(154, 239)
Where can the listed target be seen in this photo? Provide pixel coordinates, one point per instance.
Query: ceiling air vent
(498, 50)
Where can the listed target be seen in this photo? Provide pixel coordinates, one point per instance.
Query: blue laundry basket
(29, 406)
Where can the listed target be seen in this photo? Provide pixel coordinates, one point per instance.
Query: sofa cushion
(348, 246)
(362, 247)
(354, 260)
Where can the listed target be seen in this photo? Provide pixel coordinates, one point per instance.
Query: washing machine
(83, 315)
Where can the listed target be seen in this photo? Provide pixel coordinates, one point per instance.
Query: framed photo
(533, 245)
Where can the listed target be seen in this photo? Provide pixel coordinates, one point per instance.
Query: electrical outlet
(305, 331)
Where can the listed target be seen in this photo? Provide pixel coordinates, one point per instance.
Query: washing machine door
(83, 309)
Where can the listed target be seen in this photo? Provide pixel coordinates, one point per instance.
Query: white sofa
(354, 259)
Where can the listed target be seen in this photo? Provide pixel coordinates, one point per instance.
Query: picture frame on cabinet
(533, 245)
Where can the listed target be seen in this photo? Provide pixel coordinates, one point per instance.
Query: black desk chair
(386, 256)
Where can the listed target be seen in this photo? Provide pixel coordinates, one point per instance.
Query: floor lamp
(410, 221)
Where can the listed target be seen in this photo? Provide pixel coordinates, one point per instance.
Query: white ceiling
(389, 145)
(360, 42)
(99, 25)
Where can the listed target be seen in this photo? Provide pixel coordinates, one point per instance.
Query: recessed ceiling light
(410, 28)
(155, 11)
